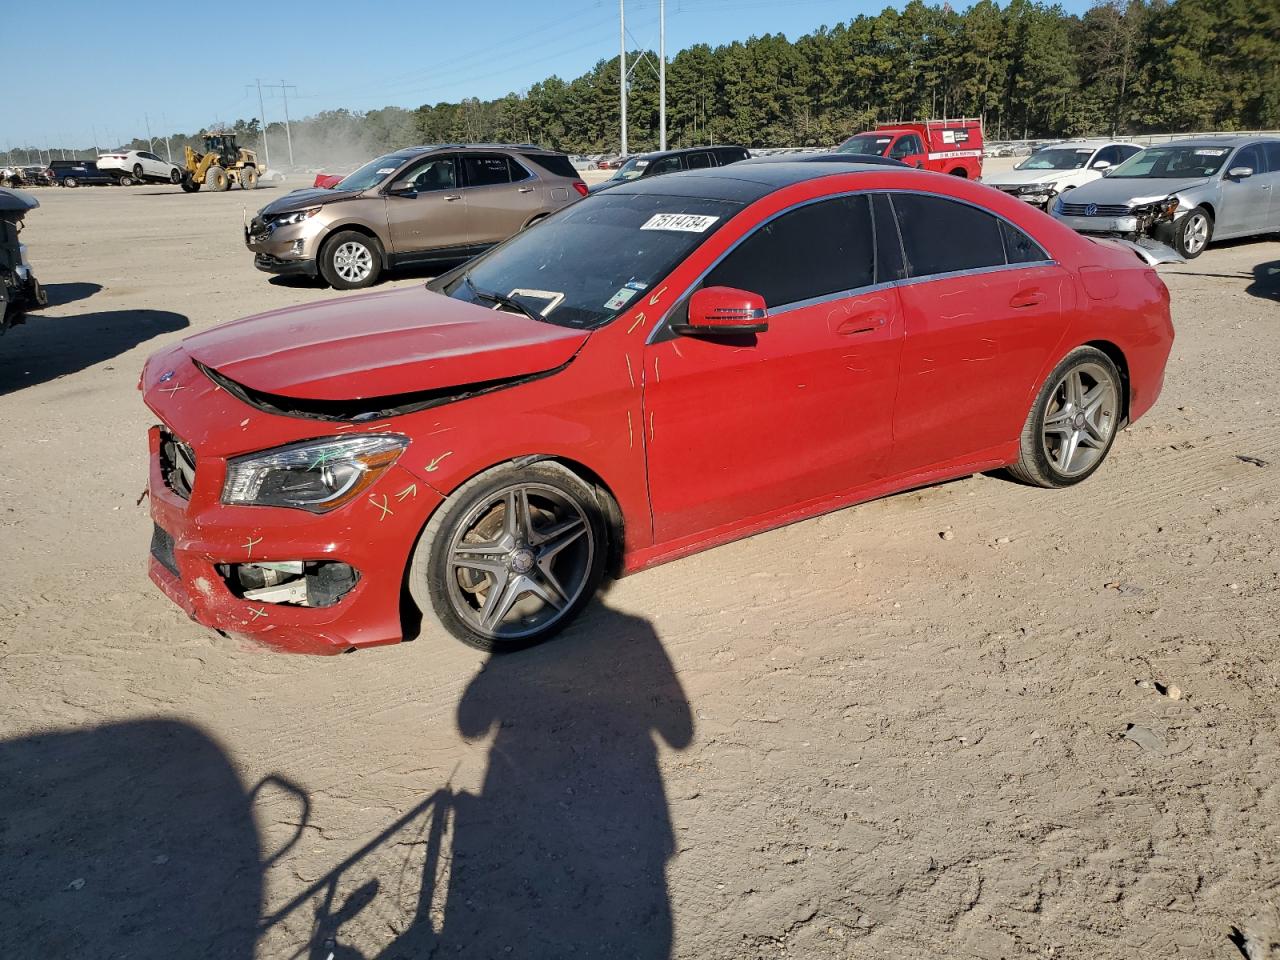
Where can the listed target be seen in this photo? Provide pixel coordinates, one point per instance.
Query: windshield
(631, 170)
(1073, 158)
(371, 174)
(865, 143)
(586, 264)
(1172, 162)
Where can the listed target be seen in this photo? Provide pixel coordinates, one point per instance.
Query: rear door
(1246, 201)
(746, 426)
(502, 196)
(432, 216)
(701, 160)
(1272, 151)
(983, 307)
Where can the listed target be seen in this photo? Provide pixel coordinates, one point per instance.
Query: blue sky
(85, 70)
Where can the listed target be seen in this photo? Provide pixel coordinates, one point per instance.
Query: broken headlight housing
(1158, 211)
(296, 216)
(316, 475)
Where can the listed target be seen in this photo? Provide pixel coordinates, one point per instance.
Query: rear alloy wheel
(1192, 233)
(350, 260)
(71, 182)
(511, 557)
(175, 176)
(137, 172)
(1073, 422)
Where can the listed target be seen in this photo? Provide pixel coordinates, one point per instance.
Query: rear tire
(554, 543)
(215, 178)
(137, 172)
(175, 176)
(1073, 422)
(71, 183)
(249, 178)
(1192, 233)
(189, 185)
(350, 260)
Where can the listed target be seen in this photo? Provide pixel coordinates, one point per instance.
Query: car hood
(309, 197)
(1020, 177)
(381, 345)
(1131, 190)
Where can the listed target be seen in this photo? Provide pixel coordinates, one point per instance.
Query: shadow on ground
(131, 839)
(45, 348)
(563, 852)
(60, 294)
(1266, 281)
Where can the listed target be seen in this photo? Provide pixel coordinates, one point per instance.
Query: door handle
(1027, 298)
(863, 324)
(452, 197)
(526, 189)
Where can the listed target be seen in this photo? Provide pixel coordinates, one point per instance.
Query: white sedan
(138, 166)
(1055, 169)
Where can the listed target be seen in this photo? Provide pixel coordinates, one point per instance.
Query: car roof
(430, 147)
(1232, 140)
(1093, 143)
(746, 183)
(679, 151)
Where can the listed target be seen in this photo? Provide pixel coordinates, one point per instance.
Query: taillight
(580, 187)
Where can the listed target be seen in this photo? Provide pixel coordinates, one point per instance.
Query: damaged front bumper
(297, 581)
(288, 250)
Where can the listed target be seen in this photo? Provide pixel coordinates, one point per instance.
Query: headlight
(1160, 210)
(1032, 188)
(285, 219)
(316, 475)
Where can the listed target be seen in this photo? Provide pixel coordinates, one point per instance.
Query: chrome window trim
(857, 291)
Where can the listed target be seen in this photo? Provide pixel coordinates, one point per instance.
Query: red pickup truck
(944, 146)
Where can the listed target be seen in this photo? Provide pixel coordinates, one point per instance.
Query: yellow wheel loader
(222, 164)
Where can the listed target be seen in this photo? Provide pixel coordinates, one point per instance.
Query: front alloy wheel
(350, 260)
(511, 557)
(1192, 233)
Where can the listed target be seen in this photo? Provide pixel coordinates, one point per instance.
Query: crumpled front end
(299, 581)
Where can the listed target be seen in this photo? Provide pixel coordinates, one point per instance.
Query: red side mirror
(725, 311)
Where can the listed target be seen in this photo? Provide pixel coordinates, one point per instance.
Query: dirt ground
(851, 737)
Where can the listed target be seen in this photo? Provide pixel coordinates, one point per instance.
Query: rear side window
(942, 236)
(729, 155)
(556, 163)
(486, 171)
(665, 165)
(1018, 247)
(815, 250)
(699, 161)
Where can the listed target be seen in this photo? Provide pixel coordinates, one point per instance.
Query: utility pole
(284, 92)
(622, 69)
(262, 112)
(662, 74)
(151, 144)
(167, 152)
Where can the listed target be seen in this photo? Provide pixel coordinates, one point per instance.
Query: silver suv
(415, 206)
(1184, 193)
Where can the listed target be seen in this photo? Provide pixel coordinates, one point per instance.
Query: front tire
(350, 260)
(511, 557)
(1073, 422)
(1192, 233)
(71, 183)
(215, 178)
(249, 179)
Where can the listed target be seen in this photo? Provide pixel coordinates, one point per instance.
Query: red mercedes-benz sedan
(657, 369)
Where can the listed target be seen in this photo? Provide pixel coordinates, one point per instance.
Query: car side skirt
(989, 459)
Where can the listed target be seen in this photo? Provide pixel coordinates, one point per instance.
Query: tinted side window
(821, 248)
(699, 161)
(556, 163)
(1127, 152)
(889, 264)
(1018, 247)
(485, 171)
(518, 170)
(1109, 154)
(940, 236)
(729, 155)
(1273, 157)
(665, 165)
(1250, 156)
(436, 173)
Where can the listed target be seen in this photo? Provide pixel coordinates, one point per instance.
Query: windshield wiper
(502, 300)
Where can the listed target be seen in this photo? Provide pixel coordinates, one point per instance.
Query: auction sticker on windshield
(686, 222)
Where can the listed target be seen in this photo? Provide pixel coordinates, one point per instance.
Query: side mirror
(1102, 165)
(402, 188)
(724, 312)
(1239, 173)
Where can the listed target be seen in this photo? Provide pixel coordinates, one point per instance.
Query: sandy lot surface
(846, 738)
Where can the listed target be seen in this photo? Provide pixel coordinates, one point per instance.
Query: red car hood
(381, 345)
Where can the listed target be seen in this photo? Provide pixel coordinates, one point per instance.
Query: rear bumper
(195, 537)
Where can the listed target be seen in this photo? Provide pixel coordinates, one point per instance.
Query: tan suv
(415, 206)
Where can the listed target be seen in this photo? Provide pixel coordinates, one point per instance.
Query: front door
(502, 196)
(909, 149)
(431, 215)
(747, 426)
